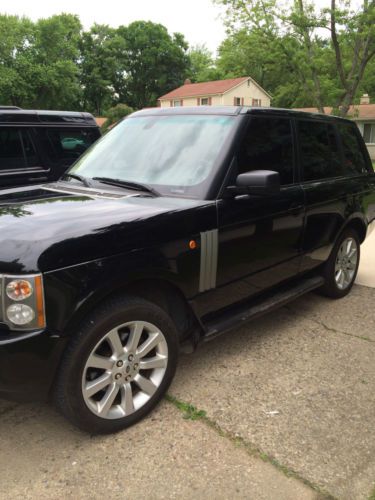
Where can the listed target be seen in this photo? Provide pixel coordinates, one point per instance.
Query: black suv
(176, 226)
(39, 146)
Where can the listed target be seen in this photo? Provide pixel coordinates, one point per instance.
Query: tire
(337, 284)
(118, 366)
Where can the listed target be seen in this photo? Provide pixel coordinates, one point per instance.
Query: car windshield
(175, 154)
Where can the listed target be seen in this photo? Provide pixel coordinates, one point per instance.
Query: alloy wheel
(346, 263)
(125, 369)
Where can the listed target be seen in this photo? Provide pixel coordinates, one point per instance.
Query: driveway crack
(190, 412)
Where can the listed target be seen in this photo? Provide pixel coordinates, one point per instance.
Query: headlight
(20, 314)
(23, 302)
(19, 289)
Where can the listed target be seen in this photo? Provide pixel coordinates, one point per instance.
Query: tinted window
(66, 145)
(320, 155)
(16, 149)
(354, 158)
(32, 159)
(268, 145)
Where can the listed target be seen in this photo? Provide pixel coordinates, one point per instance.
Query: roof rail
(9, 107)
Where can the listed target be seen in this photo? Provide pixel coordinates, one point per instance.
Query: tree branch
(336, 45)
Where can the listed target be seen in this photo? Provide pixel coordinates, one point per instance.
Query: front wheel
(341, 268)
(118, 366)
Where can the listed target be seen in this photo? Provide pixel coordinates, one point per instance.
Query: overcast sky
(198, 20)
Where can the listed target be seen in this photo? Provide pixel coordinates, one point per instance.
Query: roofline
(247, 78)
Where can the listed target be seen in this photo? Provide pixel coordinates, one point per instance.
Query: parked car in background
(39, 146)
(178, 225)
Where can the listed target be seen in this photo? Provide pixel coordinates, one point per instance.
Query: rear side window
(354, 159)
(268, 145)
(17, 150)
(64, 146)
(319, 150)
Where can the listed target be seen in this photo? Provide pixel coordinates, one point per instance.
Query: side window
(268, 145)
(354, 158)
(66, 145)
(17, 150)
(32, 159)
(320, 154)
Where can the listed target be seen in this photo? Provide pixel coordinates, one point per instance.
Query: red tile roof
(205, 88)
(356, 111)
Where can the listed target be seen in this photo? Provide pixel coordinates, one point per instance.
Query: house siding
(248, 93)
(244, 91)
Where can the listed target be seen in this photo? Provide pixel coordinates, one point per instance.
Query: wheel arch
(358, 223)
(160, 291)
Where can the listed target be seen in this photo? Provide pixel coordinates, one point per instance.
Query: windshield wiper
(84, 180)
(127, 184)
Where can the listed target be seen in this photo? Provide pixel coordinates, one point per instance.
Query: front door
(260, 237)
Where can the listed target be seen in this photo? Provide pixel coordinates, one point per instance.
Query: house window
(237, 101)
(369, 133)
(177, 103)
(204, 101)
(257, 102)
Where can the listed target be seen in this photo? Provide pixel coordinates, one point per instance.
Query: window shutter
(198, 101)
(234, 101)
(171, 104)
(182, 102)
(253, 102)
(242, 101)
(209, 101)
(259, 102)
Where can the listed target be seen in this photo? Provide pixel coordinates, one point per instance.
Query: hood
(54, 226)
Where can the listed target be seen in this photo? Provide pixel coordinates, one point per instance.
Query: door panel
(260, 241)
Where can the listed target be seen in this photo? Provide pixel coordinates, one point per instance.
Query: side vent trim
(209, 253)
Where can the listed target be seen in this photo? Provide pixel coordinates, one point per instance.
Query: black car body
(210, 259)
(39, 146)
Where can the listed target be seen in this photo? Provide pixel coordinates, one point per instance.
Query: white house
(236, 91)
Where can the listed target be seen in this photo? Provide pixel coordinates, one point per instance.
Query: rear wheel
(341, 268)
(118, 366)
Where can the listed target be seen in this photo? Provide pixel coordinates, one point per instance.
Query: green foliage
(115, 114)
(301, 54)
(152, 63)
(38, 62)
(202, 65)
(53, 64)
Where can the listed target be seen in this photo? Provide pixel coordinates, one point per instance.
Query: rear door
(20, 162)
(333, 174)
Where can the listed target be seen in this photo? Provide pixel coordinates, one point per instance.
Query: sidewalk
(366, 272)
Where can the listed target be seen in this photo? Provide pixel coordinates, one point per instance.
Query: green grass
(373, 165)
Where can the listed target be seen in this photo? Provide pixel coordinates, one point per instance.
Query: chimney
(365, 99)
(187, 81)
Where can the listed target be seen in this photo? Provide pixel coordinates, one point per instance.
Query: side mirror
(258, 182)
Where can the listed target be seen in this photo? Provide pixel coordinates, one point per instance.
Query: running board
(229, 319)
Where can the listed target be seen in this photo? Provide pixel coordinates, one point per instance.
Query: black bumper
(28, 365)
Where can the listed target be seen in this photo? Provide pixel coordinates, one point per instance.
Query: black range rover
(176, 226)
(39, 146)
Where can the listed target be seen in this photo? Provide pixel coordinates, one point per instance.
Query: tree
(99, 62)
(38, 62)
(115, 114)
(152, 62)
(296, 32)
(202, 65)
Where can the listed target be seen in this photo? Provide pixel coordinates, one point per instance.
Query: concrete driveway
(280, 409)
